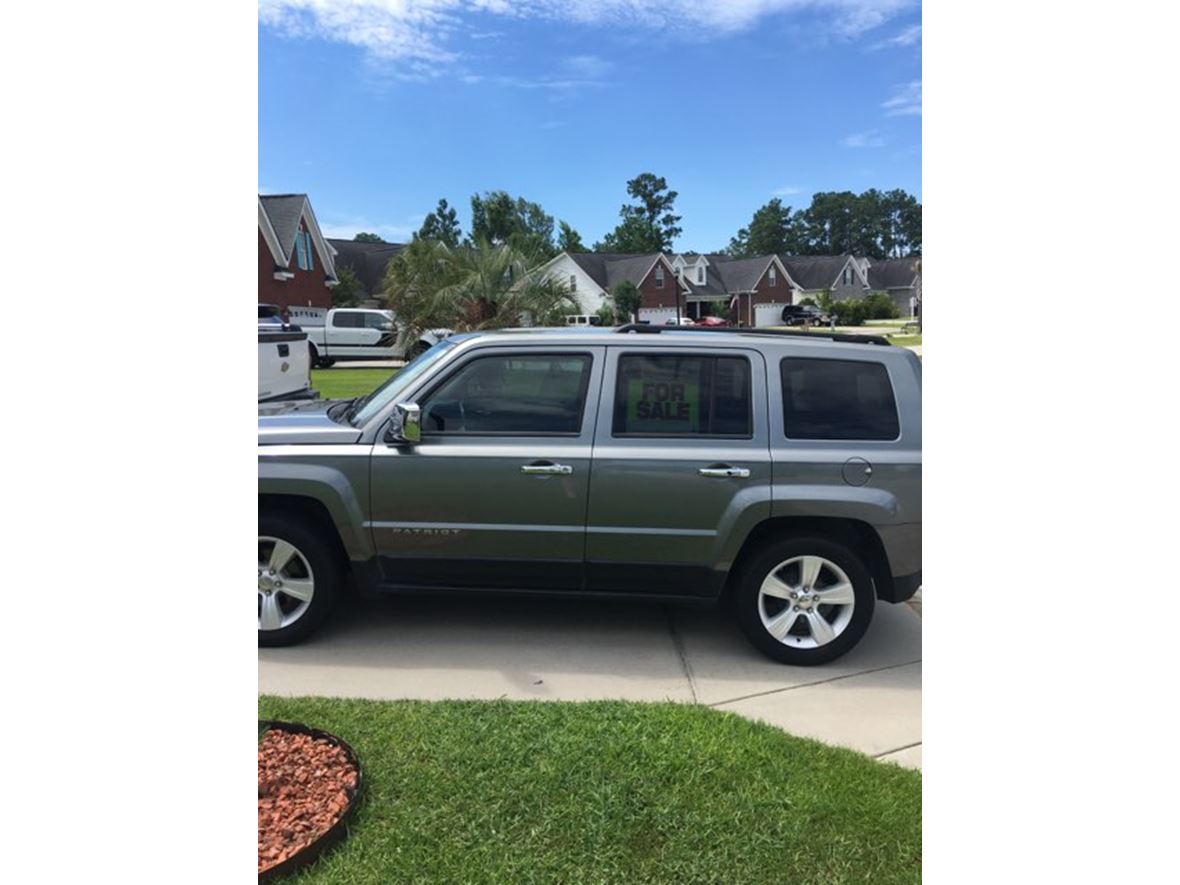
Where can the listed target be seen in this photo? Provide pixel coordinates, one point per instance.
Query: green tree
(498, 286)
(648, 226)
(364, 237)
(498, 220)
(569, 240)
(771, 230)
(628, 300)
(412, 282)
(441, 225)
(348, 292)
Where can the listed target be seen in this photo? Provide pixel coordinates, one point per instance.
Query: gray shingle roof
(814, 271)
(367, 260)
(284, 210)
(608, 269)
(892, 273)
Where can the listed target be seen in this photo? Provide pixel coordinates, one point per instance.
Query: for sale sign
(663, 406)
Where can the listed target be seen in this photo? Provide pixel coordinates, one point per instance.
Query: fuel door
(857, 471)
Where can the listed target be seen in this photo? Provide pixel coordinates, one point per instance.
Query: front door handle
(546, 468)
(724, 471)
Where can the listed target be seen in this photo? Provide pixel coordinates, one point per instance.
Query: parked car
(357, 333)
(781, 470)
(712, 321)
(583, 319)
(682, 321)
(284, 364)
(804, 315)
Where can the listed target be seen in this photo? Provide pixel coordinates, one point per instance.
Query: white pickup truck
(358, 333)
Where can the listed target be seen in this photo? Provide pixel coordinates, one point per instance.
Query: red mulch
(302, 784)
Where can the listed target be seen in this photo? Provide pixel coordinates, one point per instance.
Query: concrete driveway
(448, 647)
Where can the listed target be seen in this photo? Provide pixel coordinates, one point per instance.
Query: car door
(681, 468)
(494, 494)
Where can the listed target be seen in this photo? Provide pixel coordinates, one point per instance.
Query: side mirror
(407, 424)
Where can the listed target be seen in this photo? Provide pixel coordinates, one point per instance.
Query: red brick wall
(779, 294)
(306, 287)
(665, 297)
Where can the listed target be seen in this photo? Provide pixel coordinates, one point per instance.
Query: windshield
(366, 407)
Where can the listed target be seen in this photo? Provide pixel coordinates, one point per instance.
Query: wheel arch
(321, 494)
(857, 535)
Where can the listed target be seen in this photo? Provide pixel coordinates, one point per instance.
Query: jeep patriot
(779, 471)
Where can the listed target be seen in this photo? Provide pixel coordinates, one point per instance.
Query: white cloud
(871, 138)
(907, 37)
(785, 191)
(423, 31)
(906, 101)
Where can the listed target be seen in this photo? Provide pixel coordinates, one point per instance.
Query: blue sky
(376, 108)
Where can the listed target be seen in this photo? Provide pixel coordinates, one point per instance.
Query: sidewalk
(433, 648)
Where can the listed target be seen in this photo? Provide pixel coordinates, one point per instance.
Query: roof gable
(283, 212)
(893, 273)
(817, 271)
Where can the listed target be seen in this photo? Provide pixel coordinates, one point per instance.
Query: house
(295, 262)
(841, 276)
(753, 291)
(900, 279)
(368, 261)
(593, 276)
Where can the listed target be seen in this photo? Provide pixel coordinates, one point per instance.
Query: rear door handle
(546, 468)
(724, 471)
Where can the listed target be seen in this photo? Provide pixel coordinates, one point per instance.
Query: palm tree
(412, 283)
(493, 287)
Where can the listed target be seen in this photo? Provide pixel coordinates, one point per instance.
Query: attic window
(847, 275)
(573, 283)
(659, 276)
(773, 278)
(700, 274)
(303, 250)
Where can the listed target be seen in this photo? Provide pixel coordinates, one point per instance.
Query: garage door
(768, 314)
(657, 316)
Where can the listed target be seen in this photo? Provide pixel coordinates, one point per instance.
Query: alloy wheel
(286, 583)
(806, 602)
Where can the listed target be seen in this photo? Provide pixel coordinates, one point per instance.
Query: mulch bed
(305, 784)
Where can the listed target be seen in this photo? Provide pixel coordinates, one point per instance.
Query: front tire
(299, 578)
(805, 601)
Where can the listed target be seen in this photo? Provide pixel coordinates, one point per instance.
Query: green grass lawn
(347, 383)
(906, 340)
(500, 791)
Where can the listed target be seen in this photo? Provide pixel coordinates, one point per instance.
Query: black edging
(335, 833)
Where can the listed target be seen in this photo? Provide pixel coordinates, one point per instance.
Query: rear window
(682, 395)
(838, 399)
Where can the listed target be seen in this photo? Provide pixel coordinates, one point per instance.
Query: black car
(804, 315)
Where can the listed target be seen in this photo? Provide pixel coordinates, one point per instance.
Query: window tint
(348, 320)
(837, 399)
(682, 395)
(375, 320)
(514, 394)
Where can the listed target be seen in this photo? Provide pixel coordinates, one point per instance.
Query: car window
(511, 394)
(682, 395)
(375, 320)
(348, 320)
(838, 399)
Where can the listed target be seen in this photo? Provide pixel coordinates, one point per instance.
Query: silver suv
(779, 470)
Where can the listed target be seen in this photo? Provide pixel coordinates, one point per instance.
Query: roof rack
(645, 329)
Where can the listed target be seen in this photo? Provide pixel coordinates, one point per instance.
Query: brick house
(593, 276)
(295, 263)
(753, 290)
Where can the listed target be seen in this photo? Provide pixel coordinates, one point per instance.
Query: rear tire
(829, 613)
(297, 583)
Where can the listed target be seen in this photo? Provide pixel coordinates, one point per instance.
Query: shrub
(849, 313)
(880, 306)
(809, 301)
